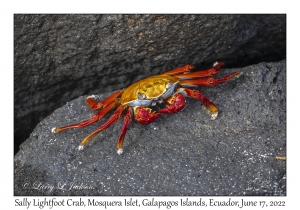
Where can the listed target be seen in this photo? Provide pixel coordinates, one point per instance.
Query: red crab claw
(145, 115)
(176, 103)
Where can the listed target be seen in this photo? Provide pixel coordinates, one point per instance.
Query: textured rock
(60, 57)
(180, 154)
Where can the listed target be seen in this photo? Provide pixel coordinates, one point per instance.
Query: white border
(9, 8)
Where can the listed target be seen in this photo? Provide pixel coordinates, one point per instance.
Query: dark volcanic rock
(181, 154)
(60, 57)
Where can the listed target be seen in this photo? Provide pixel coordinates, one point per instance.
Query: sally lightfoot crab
(169, 88)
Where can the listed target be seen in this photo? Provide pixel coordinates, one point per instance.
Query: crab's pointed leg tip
(120, 151)
(214, 116)
(215, 63)
(240, 74)
(80, 147)
(92, 96)
(53, 130)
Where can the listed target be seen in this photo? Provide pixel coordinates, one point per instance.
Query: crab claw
(145, 115)
(176, 103)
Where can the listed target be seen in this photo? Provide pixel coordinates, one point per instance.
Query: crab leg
(205, 101)
(127, 120)
(202, 73)
(114, 118)
(93, 119)
(182, 69)
(208, 81)
(94, 105)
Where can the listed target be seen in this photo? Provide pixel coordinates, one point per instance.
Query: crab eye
(141, 96)
(169, 84)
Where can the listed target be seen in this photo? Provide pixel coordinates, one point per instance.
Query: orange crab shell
(148, 91)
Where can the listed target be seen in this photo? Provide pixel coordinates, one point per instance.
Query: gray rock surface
(60, 57)
(181, 154)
